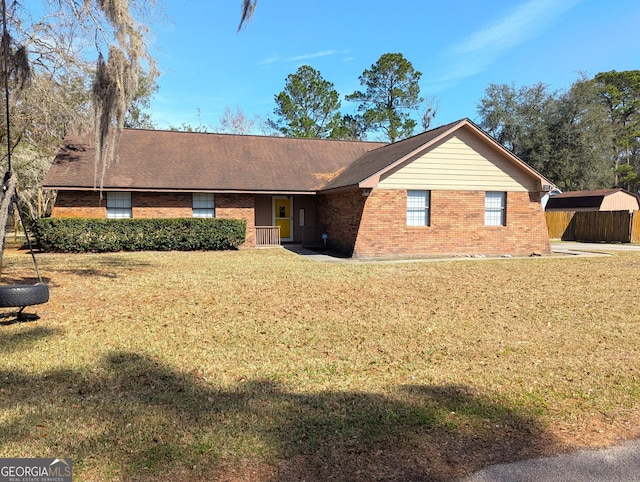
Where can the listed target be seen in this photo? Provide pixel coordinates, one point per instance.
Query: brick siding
(238, 206)
(375, 226)
(366, 226)
(87, 204)
(339, 216)
(161, 205)
(79, 204)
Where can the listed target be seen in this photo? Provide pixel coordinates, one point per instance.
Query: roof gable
(460, 162)
(381, 159)
(368, 170)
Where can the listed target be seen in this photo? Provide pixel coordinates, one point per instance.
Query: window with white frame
(495, 206)
(418, 208)
(203, 205)
(118, 205)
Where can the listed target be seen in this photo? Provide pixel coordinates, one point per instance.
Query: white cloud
(483, 47)
(322, 53)
(297, 58)
(269, 60)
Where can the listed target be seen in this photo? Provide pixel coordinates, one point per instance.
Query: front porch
(287, 219)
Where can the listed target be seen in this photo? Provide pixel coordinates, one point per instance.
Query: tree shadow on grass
(10, 342)
(104, 265)
(134, 418)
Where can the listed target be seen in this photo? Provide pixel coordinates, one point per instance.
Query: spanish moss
(116, 82)
(248, 7)
(113, 91)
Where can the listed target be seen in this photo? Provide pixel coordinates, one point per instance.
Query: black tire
(16, 296)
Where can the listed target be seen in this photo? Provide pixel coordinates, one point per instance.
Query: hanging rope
(10, 183)
(5, 62)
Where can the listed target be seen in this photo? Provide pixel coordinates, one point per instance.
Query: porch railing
(267, 235)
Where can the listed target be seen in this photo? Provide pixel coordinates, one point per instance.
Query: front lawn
(261, 365)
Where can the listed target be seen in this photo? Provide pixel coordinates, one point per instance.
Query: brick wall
(79, 204)
(238, 206)
(160, 205)
(339, 216)
(456, 227)
(371, 226)
(87, 204)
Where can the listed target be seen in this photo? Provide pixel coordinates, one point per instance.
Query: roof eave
(339, 189)
(167, 190)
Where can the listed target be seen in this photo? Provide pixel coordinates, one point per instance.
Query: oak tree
(620, 93)
(563, 135)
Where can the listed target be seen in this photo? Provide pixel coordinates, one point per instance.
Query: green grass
(261, 365)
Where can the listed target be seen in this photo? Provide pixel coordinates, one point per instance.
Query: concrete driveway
(558, 247)
(615, 464)
(574, 246)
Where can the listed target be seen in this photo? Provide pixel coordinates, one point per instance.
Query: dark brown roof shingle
(187, 161)
(169, 160)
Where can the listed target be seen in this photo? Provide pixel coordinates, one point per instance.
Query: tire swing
(19, 295)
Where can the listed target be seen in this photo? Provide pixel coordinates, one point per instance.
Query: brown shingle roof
(186, 161)
(168, 160)
(594, 193)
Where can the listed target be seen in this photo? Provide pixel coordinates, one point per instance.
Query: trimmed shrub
(76, 235)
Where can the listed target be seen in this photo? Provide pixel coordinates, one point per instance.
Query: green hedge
(75, 235)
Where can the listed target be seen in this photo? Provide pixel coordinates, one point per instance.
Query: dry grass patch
(261, 365)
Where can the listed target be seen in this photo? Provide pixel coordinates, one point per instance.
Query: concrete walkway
(568, 248)
(615, 464)
(328, 258)
(574, 246)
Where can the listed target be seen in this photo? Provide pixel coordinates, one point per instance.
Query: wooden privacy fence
(559, 225)
(594, 226)
(635, 227)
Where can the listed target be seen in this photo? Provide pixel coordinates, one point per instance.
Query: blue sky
(460, 47)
